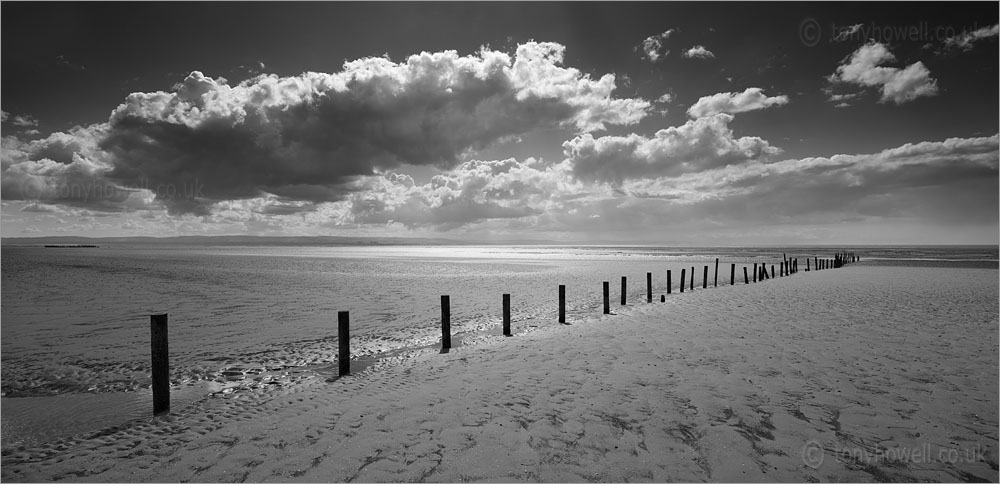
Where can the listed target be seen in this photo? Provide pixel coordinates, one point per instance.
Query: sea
(75, 321)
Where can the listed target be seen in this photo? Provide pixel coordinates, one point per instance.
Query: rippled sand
(827, 375)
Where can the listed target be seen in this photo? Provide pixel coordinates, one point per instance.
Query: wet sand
(859, 374)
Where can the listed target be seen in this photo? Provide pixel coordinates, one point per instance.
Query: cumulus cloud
(473, 192)
(308, 137)
(864, 68)
(700, 144)
(653, 46)
(751, 99)
(311, 137)
(699, 52)
(966, 40)
(64, 168)
(20, 121)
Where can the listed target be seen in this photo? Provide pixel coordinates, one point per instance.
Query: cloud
(474, 192)
(310, 137)
(700, 144)
(751, 99)
(966, 40)
(845, 33)
(900, 86)
(699, 52)
(21, 121)
(665, 98)
(64, 169)
(653, 48)
(957, 175)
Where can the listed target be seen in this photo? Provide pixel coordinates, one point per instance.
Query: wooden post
(704, 278)
(607, 297)
(772, 271)
(161, 363)
(692, 278)
(506, 314)
(755, 272)
(344, 342)
(562, 304)
(746, 279)
(649, 287)
(623, 290)
(716, 272)
(668, 281)
(663, 298)
(445, 323)
(816, 262)
(683, 275)
(807, 264)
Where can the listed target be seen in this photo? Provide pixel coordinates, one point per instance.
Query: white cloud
(864, 68)
(21, 121)
(474, 192)
(699, 52)
(700, 144)
(751, 99)
(966, 40)
(309, 137)
(653, 47)
(846, 32)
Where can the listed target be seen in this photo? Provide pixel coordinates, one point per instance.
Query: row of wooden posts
(158, 322)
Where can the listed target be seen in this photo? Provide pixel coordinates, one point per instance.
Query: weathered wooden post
(506, 314)
(445, 323)
(607, 297)
(623, 290)
(716, 272)
(692, 278)
(746, 279)
(668, 281)
(344, 342)
(562, 304)
(683, 275)
(772, 271)
(161, 363)
(807, 264)
(755, 272)
(663, 298)
(649, 287)
(704, 278)
(732, 275)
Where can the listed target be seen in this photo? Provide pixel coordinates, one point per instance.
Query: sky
(634, 123)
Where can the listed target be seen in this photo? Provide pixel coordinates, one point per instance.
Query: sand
(857, 374)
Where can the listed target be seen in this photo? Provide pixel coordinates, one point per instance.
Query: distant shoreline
(324, 241)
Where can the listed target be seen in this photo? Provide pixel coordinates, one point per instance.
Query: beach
(865, 373)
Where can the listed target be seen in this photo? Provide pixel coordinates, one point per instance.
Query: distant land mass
(251, 240)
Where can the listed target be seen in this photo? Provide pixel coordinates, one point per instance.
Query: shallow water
(76, 321)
